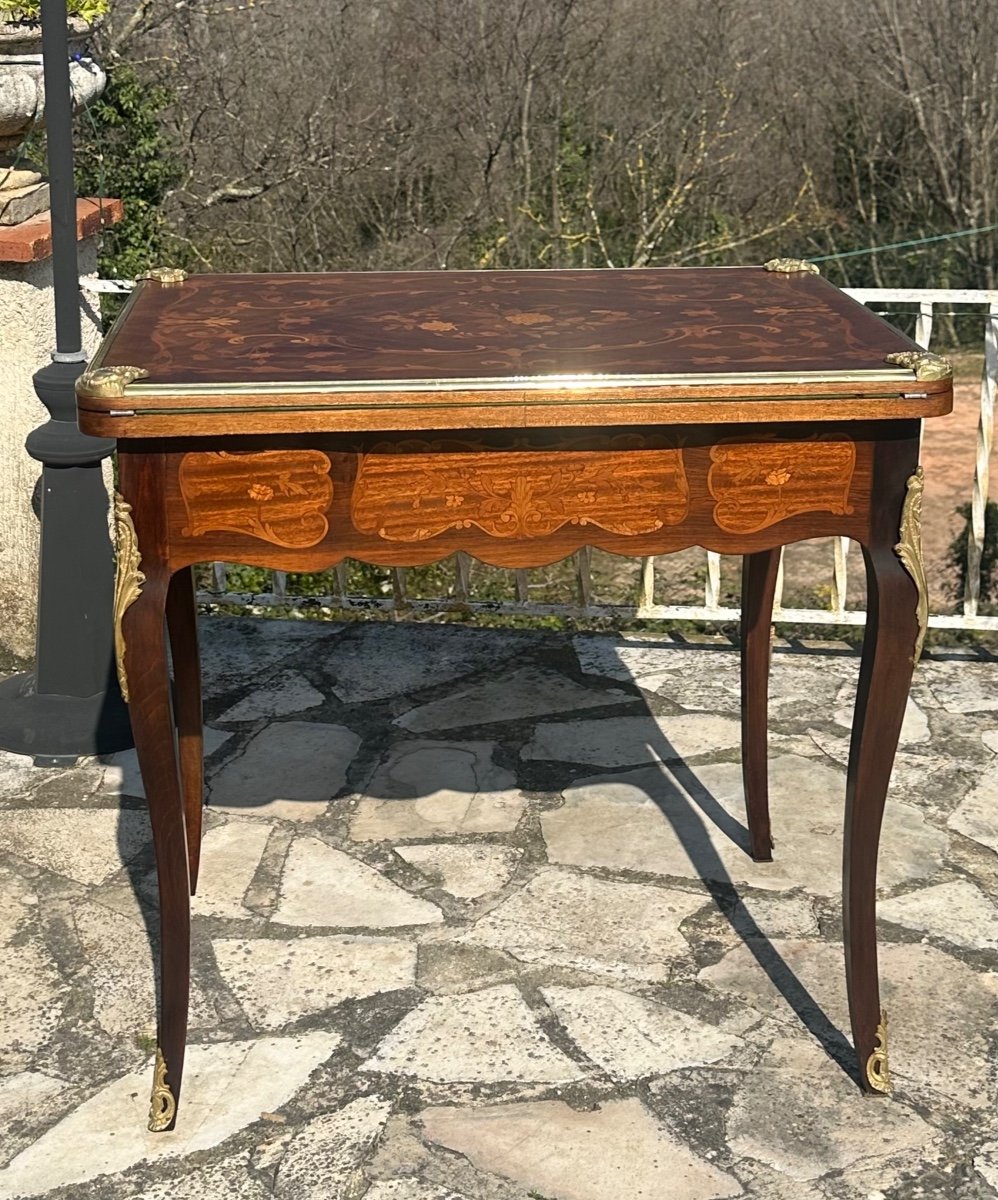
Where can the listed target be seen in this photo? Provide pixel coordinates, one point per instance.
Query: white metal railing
(642, 605)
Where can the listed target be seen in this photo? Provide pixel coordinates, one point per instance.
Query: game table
(290, 421)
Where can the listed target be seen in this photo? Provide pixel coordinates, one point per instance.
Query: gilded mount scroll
(909, 550)
(107, 383)
(790, 266)
(163, 1103)
(927, 367)
(164, 275)
(878, 1074)
(128, 580)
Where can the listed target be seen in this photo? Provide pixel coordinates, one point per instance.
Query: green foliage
(123, 151)
(29, 11)
(989, 554)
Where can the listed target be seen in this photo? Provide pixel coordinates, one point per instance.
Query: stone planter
(22, 106)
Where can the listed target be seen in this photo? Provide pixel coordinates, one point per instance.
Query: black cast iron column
(70, 705)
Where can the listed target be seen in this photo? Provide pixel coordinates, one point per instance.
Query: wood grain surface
(410, 491)
(410, 325)
(519, 499)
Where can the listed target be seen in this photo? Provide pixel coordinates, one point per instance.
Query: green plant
(29, 11)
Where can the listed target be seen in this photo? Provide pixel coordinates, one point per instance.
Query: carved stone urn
(22, 104)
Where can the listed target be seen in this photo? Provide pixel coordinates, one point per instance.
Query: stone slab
(230, 856)
(628, 741)
(693, 826)
(986, 1163)
(914, 728)
(773, 915)
(626, 657)
(489, 1036)
(976, 816)
(615, 1150)
(430, 789)
(278, 981)
(962, 687)
(287, 693)
(121, 972)
(323, 886)
(512, 695)
(19, 204)
(88, 845)
(237, 650)
(466, 872)
(940, 1010)
(122, 777)
(410, 1189)
(30, 241)
(622, 930)
(378, 661)
(793, 1114)
(34, 996)
(325, 1156)
(957, 911)
(226, 1087)
(631, 1038)
(290, 770)
(28, 1102)
(230, 1179)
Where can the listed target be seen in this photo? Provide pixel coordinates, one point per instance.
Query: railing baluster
(398, 587)
(584, 574)
(522, 589)
(462, 575)
(985, 431)
(646, 587)
(778, 589)
(220, 577)
(712, 586)
(840, 577)
(342, 581)
(923, 324)
(280, 584)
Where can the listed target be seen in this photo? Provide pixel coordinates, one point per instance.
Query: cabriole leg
(181, 619)
(896, 606)
(758, 588)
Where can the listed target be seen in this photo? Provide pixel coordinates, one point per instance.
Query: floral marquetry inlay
(421, 490)
(279, 496)
(756, 484)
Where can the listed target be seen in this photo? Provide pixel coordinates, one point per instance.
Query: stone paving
(476, 922)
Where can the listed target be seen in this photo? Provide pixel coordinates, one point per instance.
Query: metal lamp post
(70, 705)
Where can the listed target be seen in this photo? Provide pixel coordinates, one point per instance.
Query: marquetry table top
(505, 348)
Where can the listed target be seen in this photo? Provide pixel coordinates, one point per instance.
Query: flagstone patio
(476, 922)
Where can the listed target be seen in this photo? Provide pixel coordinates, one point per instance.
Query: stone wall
(27, 338)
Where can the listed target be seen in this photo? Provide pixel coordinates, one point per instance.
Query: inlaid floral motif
(417, 490)
(278, 496)
(757, 484)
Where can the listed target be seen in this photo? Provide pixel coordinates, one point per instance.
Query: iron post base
(57, 730)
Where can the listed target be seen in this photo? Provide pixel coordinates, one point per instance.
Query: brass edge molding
(162, 1104)
(128, 580)
(791, 266)
(878, 1074)
(164, 275)
(925, 365)
(107, 383)
(909, 550)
